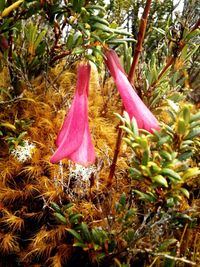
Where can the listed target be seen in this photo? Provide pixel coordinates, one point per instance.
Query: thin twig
(175, 258)
(116, 153)
(59, 56)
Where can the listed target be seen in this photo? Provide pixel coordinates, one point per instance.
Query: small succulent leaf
(195, 117)
(169, 172)
(185, 192)
(55, 207)
(60, 217)
(192, 172)
(160, 180)
(193, 133)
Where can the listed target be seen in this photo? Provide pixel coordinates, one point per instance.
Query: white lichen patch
(83, 173)
(81, 177)
(23, 152)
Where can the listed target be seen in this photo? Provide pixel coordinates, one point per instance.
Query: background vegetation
(144, 209)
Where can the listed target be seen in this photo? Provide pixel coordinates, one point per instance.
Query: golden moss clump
(29, 182)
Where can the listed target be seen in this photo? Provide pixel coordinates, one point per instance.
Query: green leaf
(169, 172)
(154, 168)
(95, 236)
(2, 5)
(94, 19)
(121, 41)
(160, 180)
(163, 140)
(8, 125)
(181, 127)
(74, 218)
(55, 207)
(119, 117)
(193, 133)
(85, 232)
(96, 7)
(126, 129)
(159, 30)
(122, 199)
(127, 119)
(130, 213)
(195, 117)
(40, 38)
(81, 245)
(60, 217)
(100, 256)
(174, 106)
(129, 235)
(185, 155)
(122, 32)
(145, 157)
(75, 234)
(146, 197)
(78, 51)
(186, 114)
(185, 192)
(166, 155)
(96, 247)
(68, 206)
(192, 172)
(134, 126)
(21, 136)
(104, 28)
(135, 173)
(192, 34)
(164, 246)
(170, 202)
(195, 124)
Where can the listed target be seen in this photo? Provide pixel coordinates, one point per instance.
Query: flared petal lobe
(132, 102)
(74, 140)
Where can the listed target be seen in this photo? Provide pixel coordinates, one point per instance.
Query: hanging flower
(132, 102)
(74, 140)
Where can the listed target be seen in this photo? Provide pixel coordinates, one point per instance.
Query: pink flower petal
(74, 140)
(113, 63)
(85, 154)
(132, 102)
(134, 105)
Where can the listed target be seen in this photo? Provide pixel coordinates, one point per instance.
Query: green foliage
(14, 134)
(162, 161)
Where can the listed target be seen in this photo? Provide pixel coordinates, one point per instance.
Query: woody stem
(140, 39)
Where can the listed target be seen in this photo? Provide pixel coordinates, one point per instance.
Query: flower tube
(74, 139)
(132, 102)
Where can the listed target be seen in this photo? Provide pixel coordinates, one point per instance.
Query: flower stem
(137, 52)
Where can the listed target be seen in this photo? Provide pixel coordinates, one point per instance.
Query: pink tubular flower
(74, 140)
(132, 102)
